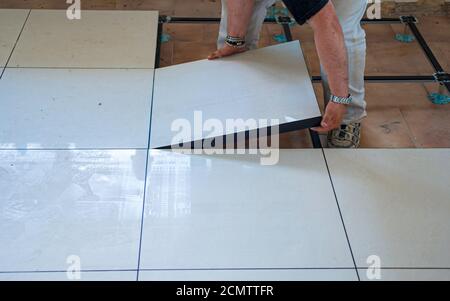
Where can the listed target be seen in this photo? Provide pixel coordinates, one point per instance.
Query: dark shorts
(303, 10)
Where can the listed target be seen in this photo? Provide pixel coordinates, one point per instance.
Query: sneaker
(347, 136)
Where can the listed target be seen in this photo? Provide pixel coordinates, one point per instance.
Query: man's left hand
(332, 119)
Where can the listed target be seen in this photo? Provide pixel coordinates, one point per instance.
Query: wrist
(236, 33)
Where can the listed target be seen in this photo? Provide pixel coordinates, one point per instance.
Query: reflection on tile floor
(251, 222)
(241, 221)
(55, 204)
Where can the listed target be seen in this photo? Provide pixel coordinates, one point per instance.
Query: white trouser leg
(350, 13)
(254, 27)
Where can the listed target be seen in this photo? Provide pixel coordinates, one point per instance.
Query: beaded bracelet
(235, 42)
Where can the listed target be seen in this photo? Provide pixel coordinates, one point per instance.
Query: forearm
(331, 49)
(239, 14)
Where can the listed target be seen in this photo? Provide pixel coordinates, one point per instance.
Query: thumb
(325, 121)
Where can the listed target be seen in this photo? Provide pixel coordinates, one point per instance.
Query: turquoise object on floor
(165, 38)
(439, 99)
(404, 38)
(280, 38)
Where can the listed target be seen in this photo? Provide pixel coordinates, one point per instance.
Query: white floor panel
(407, 275)
(75, 108)
(63, 276)
(11, 22)
(100, 39)
(395, 204)
(251, 275)
(59, 209)
(231, 212)
(267, 83)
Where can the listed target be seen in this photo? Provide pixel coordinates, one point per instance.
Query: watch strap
(341, 100)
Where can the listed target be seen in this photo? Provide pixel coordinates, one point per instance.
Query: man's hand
(332, 119)
(226, 51)
(239, 15)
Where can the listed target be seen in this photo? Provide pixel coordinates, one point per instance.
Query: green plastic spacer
(439, 99)
(165, 38)
(280, 38)
(404, 38)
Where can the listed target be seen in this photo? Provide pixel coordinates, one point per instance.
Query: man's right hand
(332, 119)
(226, 51)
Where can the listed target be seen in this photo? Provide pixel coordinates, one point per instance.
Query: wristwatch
(341, 100)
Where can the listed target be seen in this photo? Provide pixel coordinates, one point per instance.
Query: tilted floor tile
(268, 83)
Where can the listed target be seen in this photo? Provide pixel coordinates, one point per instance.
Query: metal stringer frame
(440, 76)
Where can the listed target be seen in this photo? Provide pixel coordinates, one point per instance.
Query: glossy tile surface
(62, 276)
(408, 275)
(100, 39)
(251, 275)
(268, 83)
(231, 212)
(11, 22)
(395, 204)
(77, 108)
(55, 204)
